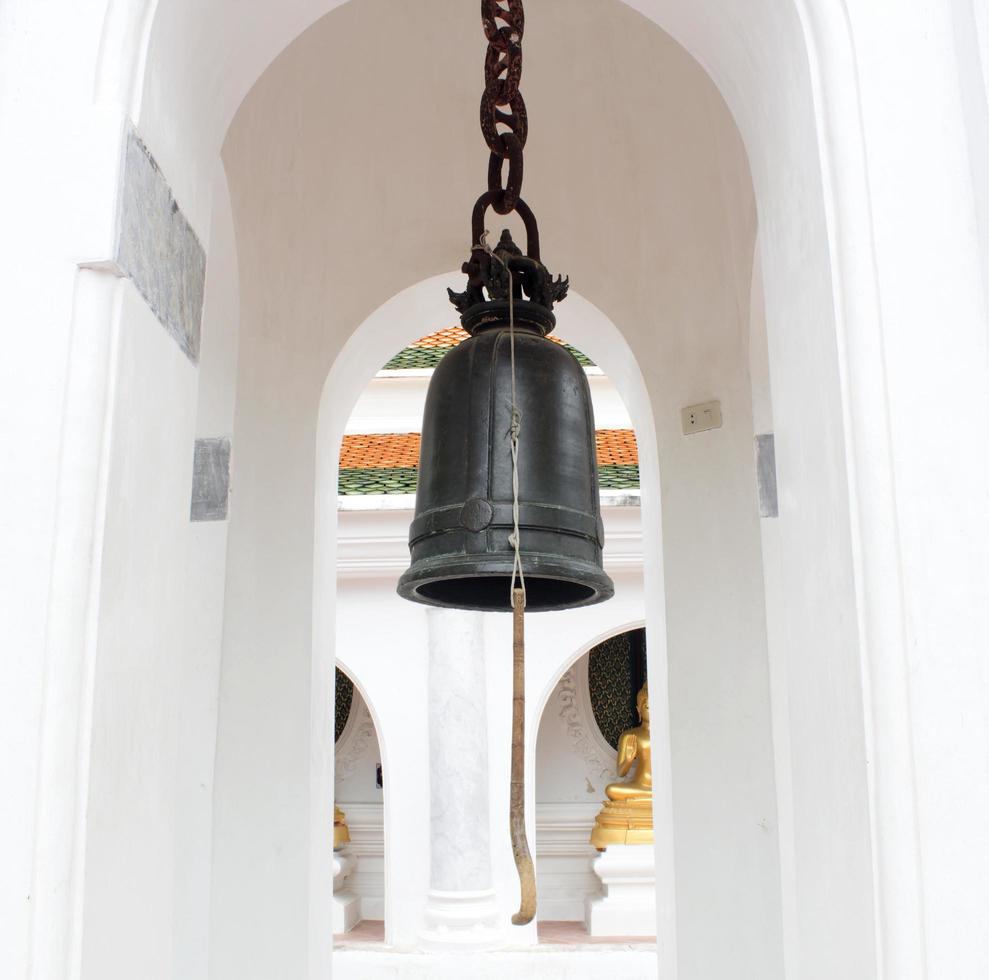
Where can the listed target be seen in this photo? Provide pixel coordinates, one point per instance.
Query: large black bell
(459, 540)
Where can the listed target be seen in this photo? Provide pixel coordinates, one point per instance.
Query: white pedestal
(461, 922)
(628, 905)
(346, 905)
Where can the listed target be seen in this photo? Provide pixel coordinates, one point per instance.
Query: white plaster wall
(197, 659)
(971, 37)
(56, 324)
(393, 402)
(791, 75)
(714, 623)
(188, 171)
(762, 423)
(133, 804)
(381, 643)
(149, 829)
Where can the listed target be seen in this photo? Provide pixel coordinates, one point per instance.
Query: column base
(346, 905)
(628, 905)
(461, 922)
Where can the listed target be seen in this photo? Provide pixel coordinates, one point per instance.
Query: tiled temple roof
(441, 340)
(616, 447)
(387, 463)
(427, 351)
(390, 450)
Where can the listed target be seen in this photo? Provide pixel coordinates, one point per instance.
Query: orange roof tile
(441, 340)
(615, 447)
(389, 450)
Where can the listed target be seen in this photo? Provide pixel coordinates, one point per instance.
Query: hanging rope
(516, 818)
(516, 807)
(515, 428)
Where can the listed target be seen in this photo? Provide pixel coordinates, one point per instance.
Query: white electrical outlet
(700, 418)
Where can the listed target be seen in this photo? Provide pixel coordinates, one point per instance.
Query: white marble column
(460, 911)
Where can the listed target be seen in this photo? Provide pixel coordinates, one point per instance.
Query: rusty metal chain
(502, 104)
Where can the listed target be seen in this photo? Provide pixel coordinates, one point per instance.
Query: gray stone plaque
(765, 455)
(157, 249)
(210, 480)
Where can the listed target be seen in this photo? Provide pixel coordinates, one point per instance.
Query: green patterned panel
(428, 357)
(402, 479)
(618, 476)
(615, 673)
(344, 700)
(416, 357)
(398, 479)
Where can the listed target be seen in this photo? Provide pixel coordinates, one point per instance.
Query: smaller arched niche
(576, 757)
(616, 670)
(359, 793)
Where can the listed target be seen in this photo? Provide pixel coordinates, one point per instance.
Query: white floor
(565, 952)
(545, 962)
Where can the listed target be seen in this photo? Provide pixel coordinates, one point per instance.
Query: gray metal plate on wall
(765, 455)
(157, 249)
(210, 480)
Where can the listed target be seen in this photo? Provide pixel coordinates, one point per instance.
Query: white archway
(269, 357)
(788, 75)
(582, 651)
(572, 763)
(401, 319)
(843, 119)
(405, 316)
(358, 748)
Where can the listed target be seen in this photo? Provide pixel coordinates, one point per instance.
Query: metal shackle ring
(522, 209)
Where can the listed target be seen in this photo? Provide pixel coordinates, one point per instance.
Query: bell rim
(550, 568)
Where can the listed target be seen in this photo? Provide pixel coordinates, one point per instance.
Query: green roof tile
(428, 357)
(380, 480)
(618, 476)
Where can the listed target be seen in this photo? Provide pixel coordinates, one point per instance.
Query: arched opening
(359, 807)
(371, 400)
(592, 703)
(369, 415)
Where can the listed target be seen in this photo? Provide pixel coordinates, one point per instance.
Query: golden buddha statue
(626, 817)
(341, 832)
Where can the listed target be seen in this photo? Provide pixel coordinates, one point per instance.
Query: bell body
(459, 539)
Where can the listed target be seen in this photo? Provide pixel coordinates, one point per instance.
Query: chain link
(504, 23)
